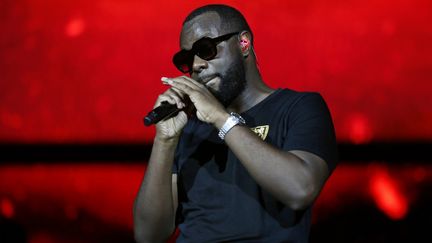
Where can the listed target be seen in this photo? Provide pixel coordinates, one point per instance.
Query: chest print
(261, 131)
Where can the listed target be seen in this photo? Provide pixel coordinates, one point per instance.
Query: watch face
(240, 119)
(232, 121)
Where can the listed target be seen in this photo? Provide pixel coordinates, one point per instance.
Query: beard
(233, 83)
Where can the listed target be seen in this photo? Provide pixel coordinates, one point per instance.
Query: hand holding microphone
(167, 110)
(162, 112)
(185, 90)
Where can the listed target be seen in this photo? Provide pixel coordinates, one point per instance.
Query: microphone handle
(162, 112)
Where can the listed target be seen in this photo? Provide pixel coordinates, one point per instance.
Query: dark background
(76, 78)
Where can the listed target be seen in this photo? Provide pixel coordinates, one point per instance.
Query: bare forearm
(287, 177)
(154, 207)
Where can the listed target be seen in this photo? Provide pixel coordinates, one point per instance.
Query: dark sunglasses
(205, 48)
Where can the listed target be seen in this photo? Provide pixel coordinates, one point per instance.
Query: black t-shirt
(220, 202)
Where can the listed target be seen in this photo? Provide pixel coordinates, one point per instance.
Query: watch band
(233, 120)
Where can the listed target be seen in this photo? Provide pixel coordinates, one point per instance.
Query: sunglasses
(205, 48)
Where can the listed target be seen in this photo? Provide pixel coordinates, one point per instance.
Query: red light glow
(75, 27)
(7, 208)
(90, 70)
(42, 237)
(80, 193)
(387, 194)
(65, 191)
(359, 129)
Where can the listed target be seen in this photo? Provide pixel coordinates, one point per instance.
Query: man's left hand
(209, 109)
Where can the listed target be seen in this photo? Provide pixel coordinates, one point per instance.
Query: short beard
(233, 83)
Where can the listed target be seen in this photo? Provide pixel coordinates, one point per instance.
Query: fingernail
(167, 80)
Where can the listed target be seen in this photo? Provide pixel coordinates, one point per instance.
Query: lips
(207, 79)
(212, 82)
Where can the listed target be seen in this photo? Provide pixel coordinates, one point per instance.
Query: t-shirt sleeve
(310, 128)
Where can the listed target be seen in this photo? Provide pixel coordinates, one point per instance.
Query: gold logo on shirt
(261, 131)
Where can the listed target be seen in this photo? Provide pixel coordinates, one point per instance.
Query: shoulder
(297, 101)
(289, 96)
(300, 96)
(284, 104)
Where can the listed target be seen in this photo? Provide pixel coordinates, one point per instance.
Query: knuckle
(169, 91)
(202, 86)
(162, 96)
(194, 93)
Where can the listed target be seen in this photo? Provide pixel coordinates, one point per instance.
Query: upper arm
(316, 167)
(314, 173)
(311, 132)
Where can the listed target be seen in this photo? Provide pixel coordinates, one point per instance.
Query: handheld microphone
(162, 112)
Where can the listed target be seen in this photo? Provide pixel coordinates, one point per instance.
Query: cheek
(221, 66)
(227, 56)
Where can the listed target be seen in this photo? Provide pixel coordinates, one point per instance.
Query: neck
(255, 91)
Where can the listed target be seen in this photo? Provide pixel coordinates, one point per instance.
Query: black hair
(231, 19)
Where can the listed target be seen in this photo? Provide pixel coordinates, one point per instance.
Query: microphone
(162, 112)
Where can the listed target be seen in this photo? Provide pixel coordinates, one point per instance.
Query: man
(250, 161)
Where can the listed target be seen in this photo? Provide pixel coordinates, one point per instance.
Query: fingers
(206, 106)
(171, 96)
(192, 82)
(184, 84)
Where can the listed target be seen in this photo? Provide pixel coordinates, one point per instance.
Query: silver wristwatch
(233, 120)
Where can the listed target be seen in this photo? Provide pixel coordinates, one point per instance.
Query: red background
(80, 71)
(86, 72)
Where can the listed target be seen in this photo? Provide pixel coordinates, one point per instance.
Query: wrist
(166, 140)
(220, 121)
(233, 120)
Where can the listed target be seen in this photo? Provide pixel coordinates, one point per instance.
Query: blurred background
(77, 77)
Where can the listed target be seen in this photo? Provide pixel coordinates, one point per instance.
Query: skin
(295, 178)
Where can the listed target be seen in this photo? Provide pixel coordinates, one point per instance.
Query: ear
(245, 42)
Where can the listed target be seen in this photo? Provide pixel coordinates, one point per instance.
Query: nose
(199, 64)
